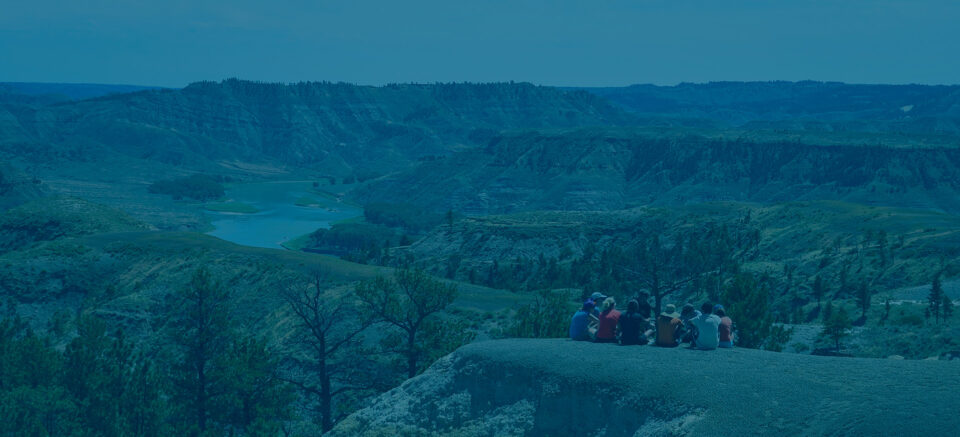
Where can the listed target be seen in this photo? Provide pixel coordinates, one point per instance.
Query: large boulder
(560, 387)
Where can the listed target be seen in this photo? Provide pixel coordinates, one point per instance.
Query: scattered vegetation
(306, 201)
(235, 207)
(836, 325)
(408, 303)
(547, 316)
(412, 218)
(198, 187)
(357, 242)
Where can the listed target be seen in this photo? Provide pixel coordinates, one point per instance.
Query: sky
(549, 42)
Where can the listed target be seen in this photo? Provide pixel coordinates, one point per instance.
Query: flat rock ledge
(560, 387)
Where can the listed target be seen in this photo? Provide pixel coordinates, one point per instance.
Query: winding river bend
(279, 217)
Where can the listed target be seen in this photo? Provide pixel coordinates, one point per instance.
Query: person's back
(708, 326)
(689, 331)
(632, 325)
(667, 330)
(607, 327)
(668, 327)
(580, 324)
(725, 330)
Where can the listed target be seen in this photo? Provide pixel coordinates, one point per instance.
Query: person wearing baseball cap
(597, 298)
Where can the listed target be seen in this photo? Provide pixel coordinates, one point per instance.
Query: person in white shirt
(708, 328)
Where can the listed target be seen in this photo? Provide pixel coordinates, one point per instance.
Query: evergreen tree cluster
(412, 218)
(209, 377)
(211, 382)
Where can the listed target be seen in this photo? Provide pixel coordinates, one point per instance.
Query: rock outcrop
(334, 127)
(560, 387)
(591, 169)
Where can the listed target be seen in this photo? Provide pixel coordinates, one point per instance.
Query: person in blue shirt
(580, 324)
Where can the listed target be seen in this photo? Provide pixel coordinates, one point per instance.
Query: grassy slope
(816, 237)
(51, 218)
(127, 277)
(796, 233)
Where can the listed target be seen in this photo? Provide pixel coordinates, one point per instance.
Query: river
(279, 218)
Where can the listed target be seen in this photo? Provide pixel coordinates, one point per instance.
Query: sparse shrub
(747, 304)
(546, 317)
(198, 187)
(402, 215)
(837, 326)
(911, 320)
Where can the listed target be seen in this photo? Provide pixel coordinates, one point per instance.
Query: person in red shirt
(725, 330)
(609, 317)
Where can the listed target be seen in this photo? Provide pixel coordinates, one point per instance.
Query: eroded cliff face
(593, 170)
(459, 396)
(560, 387)
(335, 127)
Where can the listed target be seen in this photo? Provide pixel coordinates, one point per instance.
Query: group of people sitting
(706, 329)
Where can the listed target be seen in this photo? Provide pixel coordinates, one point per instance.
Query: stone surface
(560, 387)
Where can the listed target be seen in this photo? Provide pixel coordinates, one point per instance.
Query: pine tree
(255, 397)
(863, 298)
(665, 268)
(947, 307)
(827, 311)
(935, 298)
(115, 390)
(449, 217)
(33, 400)
(334, 342)
(407, 302)
(748, 305)
(837, 326)
(818, 290)
(221, 382)
(202, 335)
(886, 311)
(146, 411)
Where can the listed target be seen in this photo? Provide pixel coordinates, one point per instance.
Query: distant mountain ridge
(505, 147)
(68, 91)
(740, 103)
(333, 126)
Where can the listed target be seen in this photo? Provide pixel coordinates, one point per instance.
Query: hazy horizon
(557, 43)
(470, 82)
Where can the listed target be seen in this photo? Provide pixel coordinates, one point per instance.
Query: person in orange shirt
(669, 327)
